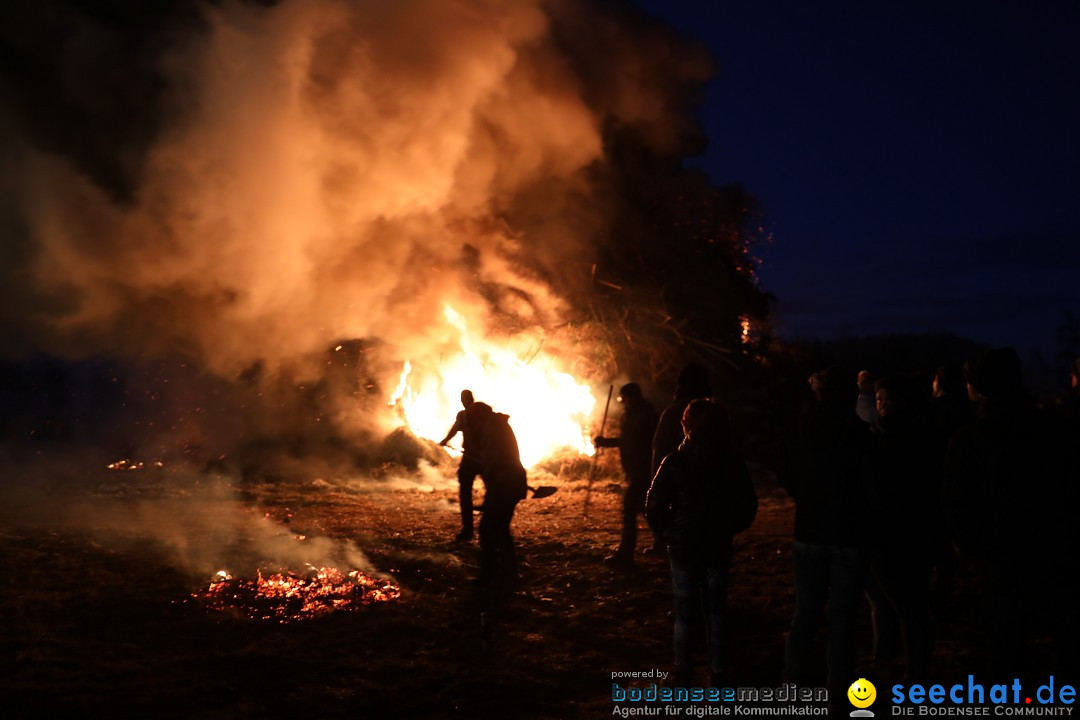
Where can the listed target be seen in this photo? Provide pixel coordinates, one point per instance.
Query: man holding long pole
(635, 452)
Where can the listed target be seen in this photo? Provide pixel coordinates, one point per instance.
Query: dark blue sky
(919, 162)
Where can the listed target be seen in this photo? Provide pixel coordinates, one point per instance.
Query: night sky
(918, 161)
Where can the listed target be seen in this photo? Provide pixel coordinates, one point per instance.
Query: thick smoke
(228, 224)
(196, 522)
(253, 183)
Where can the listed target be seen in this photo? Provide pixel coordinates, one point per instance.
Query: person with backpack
(505, 484)
(700, 499)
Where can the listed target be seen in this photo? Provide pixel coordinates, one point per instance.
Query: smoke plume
(244, 185)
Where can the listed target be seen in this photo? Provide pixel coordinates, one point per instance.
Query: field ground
(97, 616)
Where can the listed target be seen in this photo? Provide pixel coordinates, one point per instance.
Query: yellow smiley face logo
(862, 693)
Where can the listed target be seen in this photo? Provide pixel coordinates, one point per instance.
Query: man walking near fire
(471, 460)
(635, 453)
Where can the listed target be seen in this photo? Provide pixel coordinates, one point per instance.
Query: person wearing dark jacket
(1011, 498)
(700, 498)
(908, 461)
(692, 383)
(635, 453)
(952, 410)
(825, 469)
(505, 484)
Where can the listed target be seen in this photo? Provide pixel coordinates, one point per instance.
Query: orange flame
(548, 408)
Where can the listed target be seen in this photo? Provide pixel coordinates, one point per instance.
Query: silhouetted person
(505, 484)
(866, 403)
(701, 497)
(825, 469)
(907, 467)
(691, 384)
(1068, 404)
(951, 404)
(952, 409)
(471, 464)
(1011, 494)
(636, 430)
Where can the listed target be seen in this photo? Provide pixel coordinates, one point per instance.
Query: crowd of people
(892, 496)
(898, 486)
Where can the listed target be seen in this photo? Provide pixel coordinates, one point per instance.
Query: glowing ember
(549, 410)
(289, 596)
(133, 465)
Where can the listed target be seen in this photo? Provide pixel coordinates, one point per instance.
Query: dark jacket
(826, 470)
(700, 498)
(503, 475)
(1011, 491)
(669, 431)
(636, 433)
(950, 414)
(908, 465)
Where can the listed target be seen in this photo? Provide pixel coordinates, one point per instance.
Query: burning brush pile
(286, 596)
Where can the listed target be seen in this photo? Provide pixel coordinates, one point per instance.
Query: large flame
(548, 408)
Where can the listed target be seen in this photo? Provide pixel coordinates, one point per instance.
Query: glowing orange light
(548, 408)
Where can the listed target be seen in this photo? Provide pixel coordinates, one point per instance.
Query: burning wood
(287, 596)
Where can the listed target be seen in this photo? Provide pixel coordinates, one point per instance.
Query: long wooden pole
(596, 455)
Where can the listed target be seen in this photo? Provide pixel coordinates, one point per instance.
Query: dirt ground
(96, 614)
